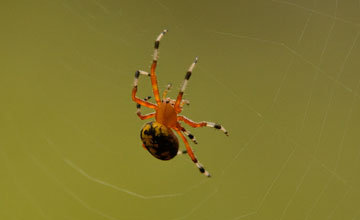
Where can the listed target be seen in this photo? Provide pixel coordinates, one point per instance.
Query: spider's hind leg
(187, 133)
(191, 154)
(182, 152)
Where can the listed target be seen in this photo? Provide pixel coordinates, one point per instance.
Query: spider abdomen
(159, 140)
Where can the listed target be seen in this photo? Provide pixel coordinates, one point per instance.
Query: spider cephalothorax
(157, 136)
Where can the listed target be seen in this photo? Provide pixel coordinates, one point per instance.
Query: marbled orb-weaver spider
(157, 136)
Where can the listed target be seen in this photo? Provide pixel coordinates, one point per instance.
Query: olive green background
(281, 76)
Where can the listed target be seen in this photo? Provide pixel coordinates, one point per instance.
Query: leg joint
(137, 74)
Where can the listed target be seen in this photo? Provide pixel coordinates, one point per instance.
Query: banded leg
(184, 102)
(172, 101)
(138, 112)
(134, 90)
(202, 124)
(182, 152)
(168, 87)
(183, 87)
(191, 154)
(187, 133)
(153, 67)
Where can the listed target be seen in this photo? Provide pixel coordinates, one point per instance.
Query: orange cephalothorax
(166, 115)
(157, 136)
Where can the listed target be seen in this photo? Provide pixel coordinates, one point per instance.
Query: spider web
(284, 81)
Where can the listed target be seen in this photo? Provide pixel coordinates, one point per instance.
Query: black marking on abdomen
(161, 146)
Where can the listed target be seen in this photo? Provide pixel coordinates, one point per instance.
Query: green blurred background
(281, 76)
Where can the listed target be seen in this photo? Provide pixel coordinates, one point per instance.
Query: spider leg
(153, 67)
(191, 154)
(182, 152)
(168, 87)
(188, 134)
(138, 112)
(134, 90)
(183, 87)
(202, 124)
(184, 102)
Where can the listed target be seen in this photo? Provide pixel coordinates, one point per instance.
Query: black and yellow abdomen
(159, 140)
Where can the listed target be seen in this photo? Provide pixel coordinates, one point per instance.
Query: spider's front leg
(134, 90)
(153, 67)
(202, 124)
(178, 102)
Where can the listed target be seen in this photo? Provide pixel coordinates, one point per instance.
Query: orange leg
(183, 87)
(168, 87)
(143, 117)
(188, 134)
(201, 124)
(154, 83)
(153, 67)
(191, 154)
(134, 90)
(138, 112)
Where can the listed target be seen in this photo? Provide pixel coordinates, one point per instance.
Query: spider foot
(217, 126)
(202, 170)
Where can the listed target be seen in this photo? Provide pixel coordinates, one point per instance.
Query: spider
(157, 136)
